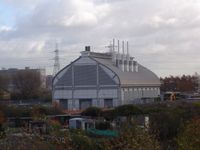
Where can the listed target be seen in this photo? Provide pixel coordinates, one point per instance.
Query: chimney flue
(127, 46)
(87, 48)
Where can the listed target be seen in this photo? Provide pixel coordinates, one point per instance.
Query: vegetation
(3, 86)
(189, 138)
(35, 111)
(182, 84)
(3, 82)
(133, 137)
(24, 84)
(92, 111)
(127, 110)
(27, 83)
(170, 127)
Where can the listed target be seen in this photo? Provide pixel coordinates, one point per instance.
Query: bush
(189, 139)
(132, 138)
(109, 115)
(127, 110)
(92, 111)
(82, 142)
(102, 125)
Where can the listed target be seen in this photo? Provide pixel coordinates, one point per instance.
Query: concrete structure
(49, 79)
(104, 80)
(81, 123)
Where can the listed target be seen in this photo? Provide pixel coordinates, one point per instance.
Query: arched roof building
(103, 80)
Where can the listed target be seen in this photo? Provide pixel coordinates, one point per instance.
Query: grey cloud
(163, 35)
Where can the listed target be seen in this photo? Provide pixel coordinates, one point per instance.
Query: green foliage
(197, 104)
(81, 141)
(14, 111)
(39, 112)
(127, 110)
(102, 125)
(92, 111)
(45, 95)
(189, 139)
(108, 114)
(132, 138)
(54, 126)
(168, 122)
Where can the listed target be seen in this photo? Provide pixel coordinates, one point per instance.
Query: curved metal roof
(144, 77)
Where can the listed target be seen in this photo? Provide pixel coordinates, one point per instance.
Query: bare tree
(3, 82)
(27, 84)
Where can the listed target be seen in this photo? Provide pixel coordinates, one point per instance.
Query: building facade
(103, 80)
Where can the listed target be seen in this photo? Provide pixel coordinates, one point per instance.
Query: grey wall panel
(101, 103)
(65, 79)
(58, 76)
(63, 103)
(108, 93)
(70, 106)
(62, 94)
(78, 94)
(104, 78)
(85, 103)
(85, 60)
(85, 75)
(108, 103)
(116, 102)
(76, 104)
(94, 102)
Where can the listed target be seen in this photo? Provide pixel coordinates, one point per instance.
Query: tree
(184, 83)
(127, 110)
(3, 82)
(189, 138)
(3, 85)
(27, 83)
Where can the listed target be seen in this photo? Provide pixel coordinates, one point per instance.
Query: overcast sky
(164, 35)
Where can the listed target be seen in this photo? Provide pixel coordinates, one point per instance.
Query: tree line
(24, 84)
(184, 83)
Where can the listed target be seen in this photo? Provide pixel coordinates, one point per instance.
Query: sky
(163, 35)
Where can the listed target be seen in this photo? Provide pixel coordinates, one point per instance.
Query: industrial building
(104, 80)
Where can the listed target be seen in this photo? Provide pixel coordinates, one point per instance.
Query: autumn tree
(27, 84)
(184, 83)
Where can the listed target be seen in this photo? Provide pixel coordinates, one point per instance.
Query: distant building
(49, 79)
(11, 72)
(104, 80)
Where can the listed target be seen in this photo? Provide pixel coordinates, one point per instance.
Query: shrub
(83, 142)
(132, 138)
(189, 138)
(127, 110)
(102, 125)
(92, 111)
